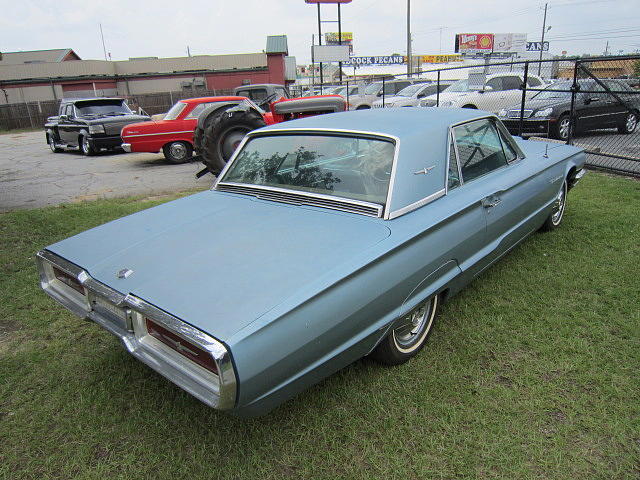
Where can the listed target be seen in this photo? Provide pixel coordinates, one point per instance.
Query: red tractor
(221, 128)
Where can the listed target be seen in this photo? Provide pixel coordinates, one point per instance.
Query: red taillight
(68, 280)
(182, 346)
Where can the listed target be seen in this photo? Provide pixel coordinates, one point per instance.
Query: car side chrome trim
(418, 204)
(160, 133)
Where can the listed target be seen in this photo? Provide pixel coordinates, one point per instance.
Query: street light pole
(320, 43)
(409, 38)
(544, 27)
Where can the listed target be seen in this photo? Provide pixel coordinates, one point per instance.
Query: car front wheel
(410, 334)
(52, 145)
(557, 212)
(630, 123)
(177, 152)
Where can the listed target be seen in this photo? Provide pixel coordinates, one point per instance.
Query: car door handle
(491, 201)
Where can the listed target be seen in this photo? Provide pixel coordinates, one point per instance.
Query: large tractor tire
(224, 135)
(198, 134)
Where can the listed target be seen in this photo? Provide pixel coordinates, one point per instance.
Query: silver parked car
(410, 96)
(374, 91)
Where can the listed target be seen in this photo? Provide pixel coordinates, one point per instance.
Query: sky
(140, 28)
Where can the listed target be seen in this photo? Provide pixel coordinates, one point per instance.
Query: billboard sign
(537, 46)
(474, 42)
(381, 60)
(509, 42)
(330, 53)
(331, 38)
(440, 58)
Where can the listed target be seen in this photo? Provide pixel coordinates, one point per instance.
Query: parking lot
(33, 176)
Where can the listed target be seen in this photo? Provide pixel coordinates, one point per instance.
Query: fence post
(383, 88)
(347, 94)
(572, 109)
(438, 91)
(524, 98)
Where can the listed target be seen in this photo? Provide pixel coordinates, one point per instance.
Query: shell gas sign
(474, 42)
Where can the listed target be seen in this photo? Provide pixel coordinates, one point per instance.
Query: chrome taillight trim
(177, 369)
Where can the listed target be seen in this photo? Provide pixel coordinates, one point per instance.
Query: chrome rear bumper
(126, 147)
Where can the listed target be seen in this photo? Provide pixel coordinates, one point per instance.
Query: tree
(636, 68)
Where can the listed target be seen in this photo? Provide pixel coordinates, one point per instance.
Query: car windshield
(372, 88)
(411, 90)
(350, 167)
(102, 107)
(459, 86)
(550, 92)
(176, 110)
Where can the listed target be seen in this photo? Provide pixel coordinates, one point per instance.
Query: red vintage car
(172, 135)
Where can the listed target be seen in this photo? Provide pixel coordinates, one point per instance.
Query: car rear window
(350, 167)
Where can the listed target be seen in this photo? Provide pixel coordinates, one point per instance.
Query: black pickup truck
(89, 124)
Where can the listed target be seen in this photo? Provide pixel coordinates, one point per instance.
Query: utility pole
(606, 49)
(188, 51)
(104, 49)
(544, 27)
(340, 40)
(409, 59)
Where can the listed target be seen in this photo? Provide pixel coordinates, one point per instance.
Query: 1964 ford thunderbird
(322, 241)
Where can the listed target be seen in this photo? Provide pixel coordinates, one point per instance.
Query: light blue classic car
(324, 240)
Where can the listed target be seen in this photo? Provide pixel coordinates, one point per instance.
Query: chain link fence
(591, 102)
(34, 114)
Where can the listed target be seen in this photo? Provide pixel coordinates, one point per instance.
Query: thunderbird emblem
(124, 273)
(425, 170)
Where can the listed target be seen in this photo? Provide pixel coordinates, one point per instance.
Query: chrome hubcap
(558, 206)
(414, 326)
(564, 128)
(178, 150)
(52, 144)
(631, 122)
(85, 145)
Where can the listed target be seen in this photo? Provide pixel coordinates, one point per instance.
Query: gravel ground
(33, 176)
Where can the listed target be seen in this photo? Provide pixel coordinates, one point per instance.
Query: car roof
(403, 123)
(423, 143)
(258, 85)
(210, 99)
(89, 99)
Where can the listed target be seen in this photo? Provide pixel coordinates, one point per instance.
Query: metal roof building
(42, 75)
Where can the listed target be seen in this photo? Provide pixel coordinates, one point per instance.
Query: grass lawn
(533, 372)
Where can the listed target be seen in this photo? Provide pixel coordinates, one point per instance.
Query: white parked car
(410, 96)
(373, 91)
(500, 90)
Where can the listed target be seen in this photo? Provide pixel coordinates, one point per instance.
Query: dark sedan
(548, 112)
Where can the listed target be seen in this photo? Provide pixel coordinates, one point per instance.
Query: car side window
(69, 111)
(399, 86)
(198, 110)
(453, 176)
(533, 82)
(479, 148)
(511, 83)
(495, 83)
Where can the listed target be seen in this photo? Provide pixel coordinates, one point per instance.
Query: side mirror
(379, 93)
(487, 88)
(63, 117)
(422, 95)
(588, 100)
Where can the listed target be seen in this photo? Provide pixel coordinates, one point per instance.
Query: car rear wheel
(557, 212)
(224, 135)
(409, 336)
(85, 146)
(470, 106)
(630, 123)
(563, 126)
(363, 107)
(177, 152)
